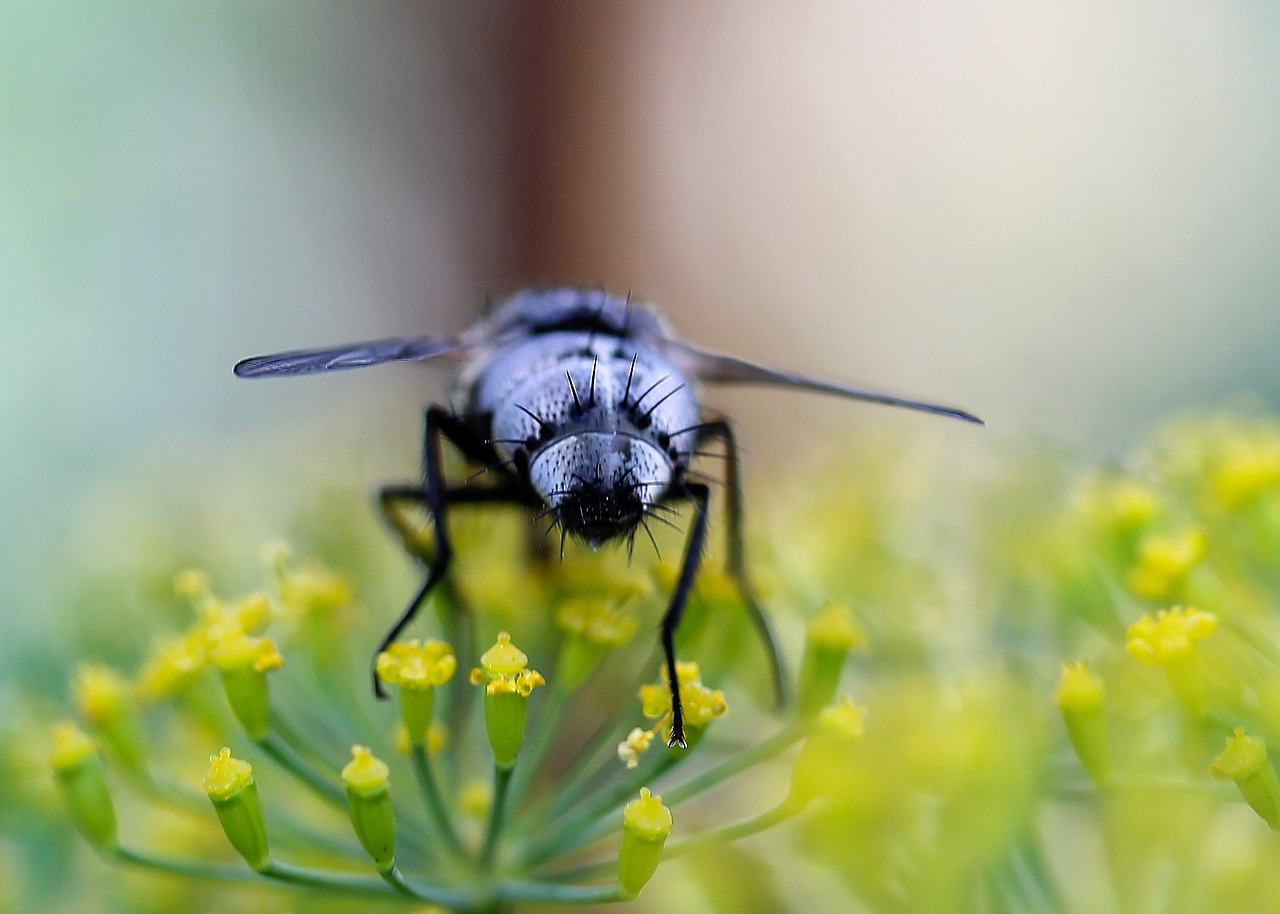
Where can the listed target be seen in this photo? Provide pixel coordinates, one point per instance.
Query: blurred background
(1063, 217)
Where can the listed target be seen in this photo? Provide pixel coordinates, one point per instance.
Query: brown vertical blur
(573, 159)
(961, 202)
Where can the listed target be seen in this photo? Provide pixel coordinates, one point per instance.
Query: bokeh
(1060, 216)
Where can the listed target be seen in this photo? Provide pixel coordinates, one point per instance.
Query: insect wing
(725, 369)
(355, 355)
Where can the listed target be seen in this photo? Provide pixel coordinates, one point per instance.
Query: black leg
(436, 497)
(699, 494)
(720, 429)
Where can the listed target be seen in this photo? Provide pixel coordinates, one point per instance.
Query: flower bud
(1245, 761)
(1170, 641)
(231, 788)
(372, 817)
(831, 635)
(508, 683)
(313, 590)
(106, 701)
(244, 662)
(592, 628)
(824, 757)
(1081, 698)
(1164, 563)
(418, 669)
(645, 826)
(84, 787)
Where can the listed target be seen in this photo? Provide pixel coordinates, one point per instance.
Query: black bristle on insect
(491, 467)
(649, 412)
(656, 550)
(631, 373)
(577, 404)
(640, 399)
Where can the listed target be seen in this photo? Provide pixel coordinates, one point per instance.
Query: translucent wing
(355, 355)
(725, 369)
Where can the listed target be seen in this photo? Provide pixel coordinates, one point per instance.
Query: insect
(584, 406)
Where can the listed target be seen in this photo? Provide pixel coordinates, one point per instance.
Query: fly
(585, 407)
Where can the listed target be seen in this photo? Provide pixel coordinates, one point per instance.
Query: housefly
(585, 406)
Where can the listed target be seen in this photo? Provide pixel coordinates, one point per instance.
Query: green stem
(589, 818)
(394, 878)
(295, 764)
(734, 832)
(304, 750)
(497, 814)
(553, 893)
(435, 802)
(197, 869)
(569, 792)
(532, 754)
(392, 884)
(325, 788)
(1090, 790)
(593, 823)
(761, 752)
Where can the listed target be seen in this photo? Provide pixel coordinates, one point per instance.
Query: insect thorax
(602, 424)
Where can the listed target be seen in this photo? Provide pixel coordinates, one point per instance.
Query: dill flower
(79, 774)
(234, 794)
(1081, 696)
(952, 785)
(1170, 640)
(508, 682)
(244, 662)
(701, 704)
(1164, 563)
(646, 825)
(418, 668)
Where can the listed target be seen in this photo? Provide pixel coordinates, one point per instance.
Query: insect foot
(561, 805)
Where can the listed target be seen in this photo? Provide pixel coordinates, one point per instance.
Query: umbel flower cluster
(524, 777)
(1070, 673)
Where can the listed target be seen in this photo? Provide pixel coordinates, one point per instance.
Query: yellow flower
(701, 704)
(84, 787)
(593, 626)
(1245, 761)
(105, 699)
(1081, 696)
(172, 665)
(508, 684)
(366, 778)
(1171, 636)
(1247, 467)
(234, 794)
(1164, 563)
(1120, 506)
(311, 590)
(417, 665)
(636, 744)
(244, 663)
(1170, 641)
(646, 822)
(504, 669)
(418, 669)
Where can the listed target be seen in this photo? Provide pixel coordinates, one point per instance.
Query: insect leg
(699, 494)
(439, 421)
(720, 429)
